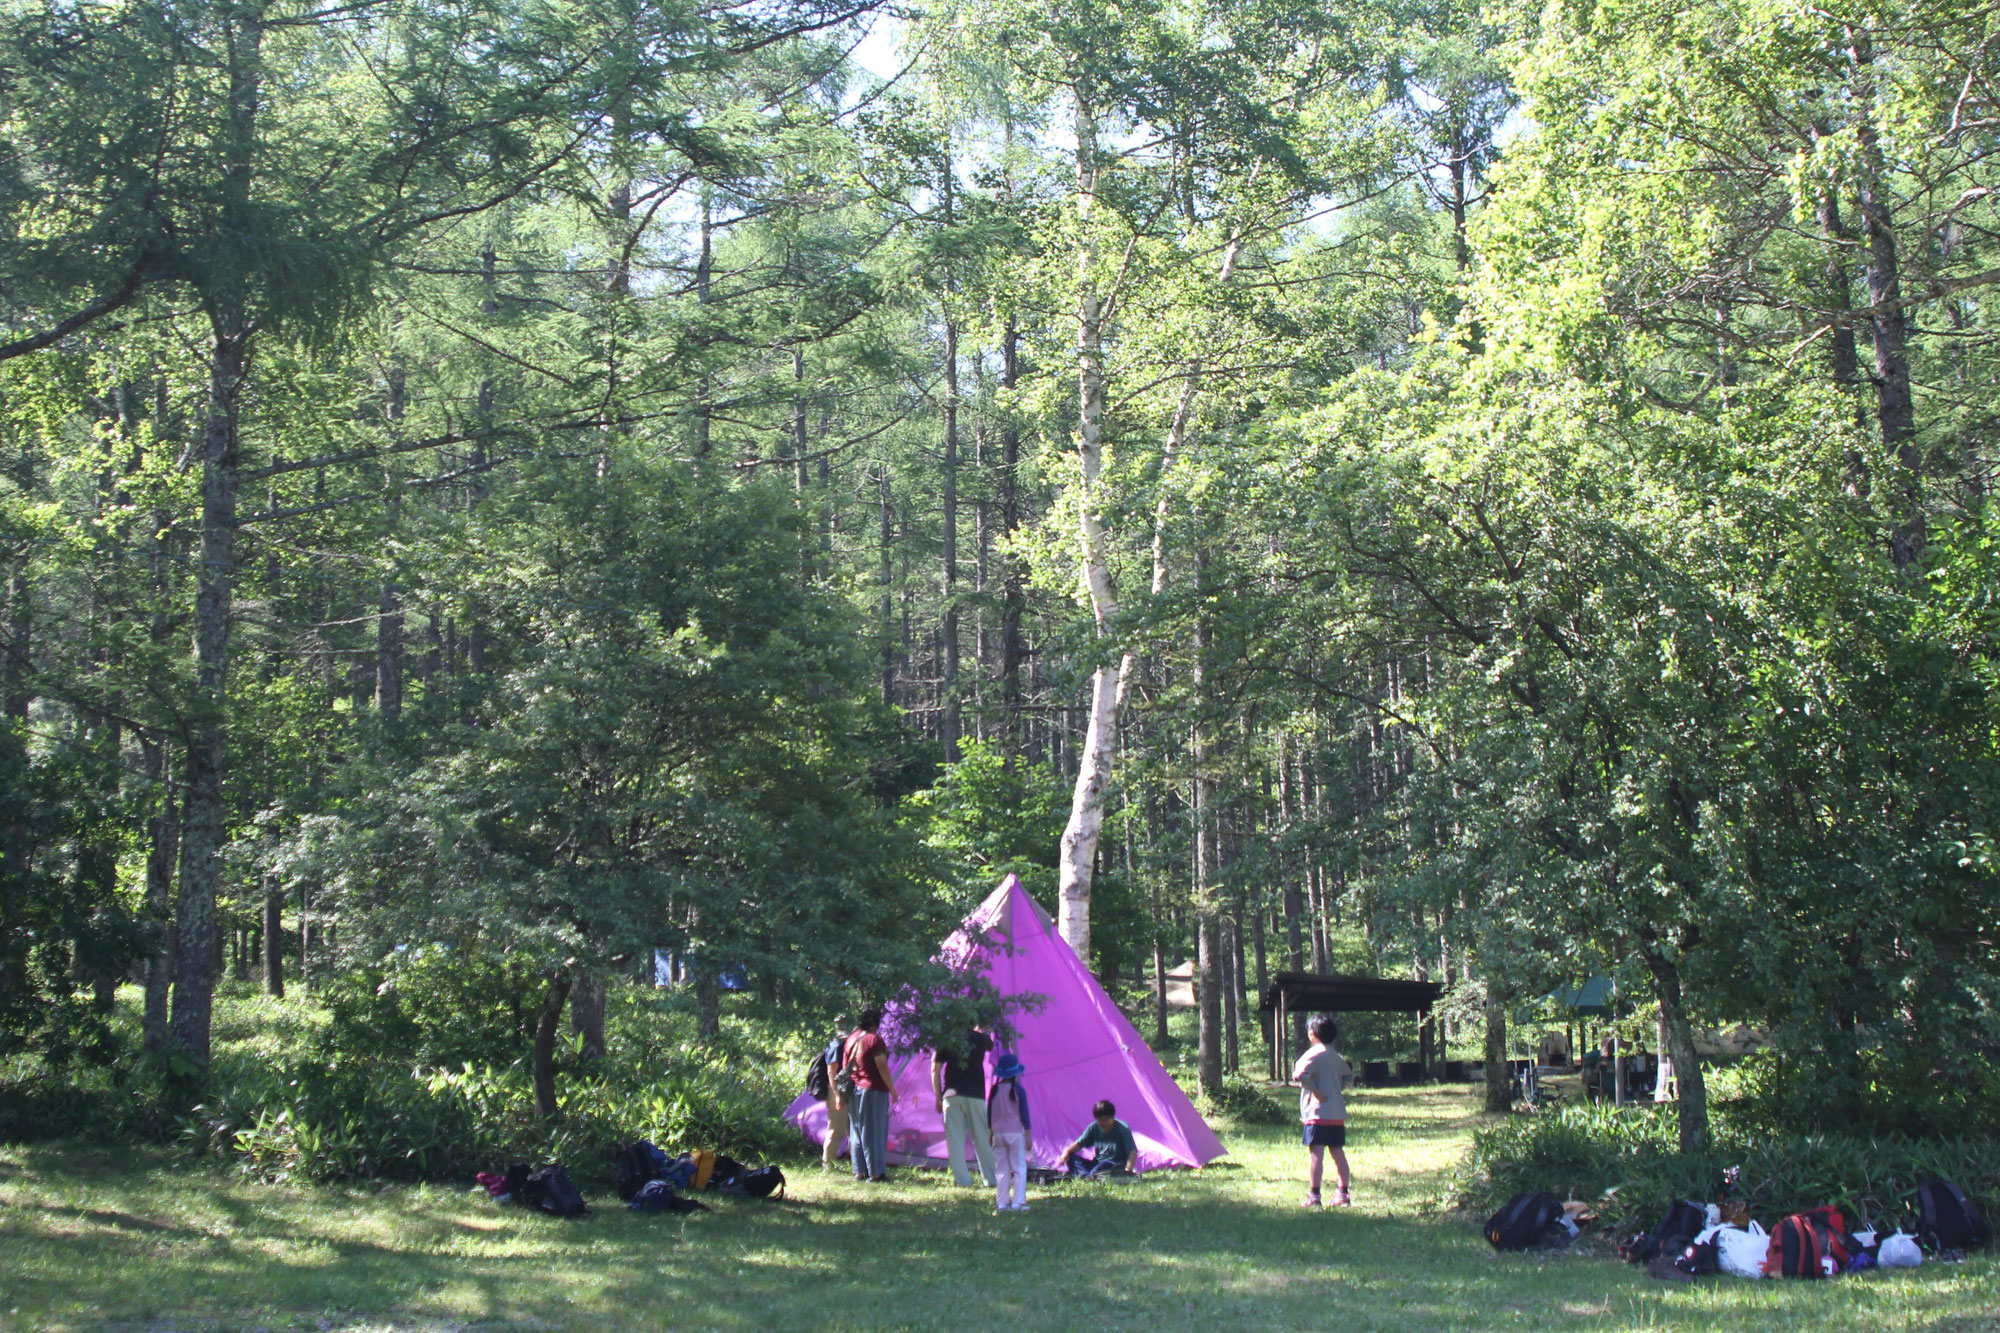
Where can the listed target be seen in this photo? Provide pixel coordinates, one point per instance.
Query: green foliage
(306, 1121)
(990, 816)
(1587, 1152)
(65, 932)
(432, 1006)
(1244, 1101)
(1900, 1090)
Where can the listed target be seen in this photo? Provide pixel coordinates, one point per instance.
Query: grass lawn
(100, 1240)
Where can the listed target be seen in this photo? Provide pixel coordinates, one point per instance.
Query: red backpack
(1800, 1241)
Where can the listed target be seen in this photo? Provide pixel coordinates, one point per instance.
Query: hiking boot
(1312, 1201)
(1343, 1200)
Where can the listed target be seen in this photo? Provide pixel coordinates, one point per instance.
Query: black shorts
(1325, 1136)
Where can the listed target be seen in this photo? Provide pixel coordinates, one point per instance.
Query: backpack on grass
(1950, 1222)
(1684, 1221)
(761, 1183)
(1810, 1244)
(553, 1193)
(638, 1163)
(1523, 1221)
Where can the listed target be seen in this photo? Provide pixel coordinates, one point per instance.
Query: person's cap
(1010, 1067)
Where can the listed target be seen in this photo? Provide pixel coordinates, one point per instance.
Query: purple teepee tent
(1077, 1048)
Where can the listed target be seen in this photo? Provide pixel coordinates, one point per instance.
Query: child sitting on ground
(1110, 1142)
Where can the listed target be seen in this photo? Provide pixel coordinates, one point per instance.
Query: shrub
(1585, 1151)
(322, 1123)
(434, 1005)
(1887, 1090)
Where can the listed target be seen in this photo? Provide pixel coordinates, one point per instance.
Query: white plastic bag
(1899, 1251)
(1740, 1251)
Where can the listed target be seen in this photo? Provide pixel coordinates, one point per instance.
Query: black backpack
(517, 1183)
(637, 1164)
(1950, 1222)
(816, 1080)
(1684, 1221)
(553, 1192)
(1524, 1221)
(761, 1183)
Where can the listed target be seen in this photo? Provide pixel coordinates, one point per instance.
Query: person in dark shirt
(1109, 1141)
(958, 1081)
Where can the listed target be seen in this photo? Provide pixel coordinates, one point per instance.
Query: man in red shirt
(866, 1061)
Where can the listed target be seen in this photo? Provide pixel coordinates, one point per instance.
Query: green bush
(434, 1006)
(362, 1121)
(1586, 1151)
(1885, 1091)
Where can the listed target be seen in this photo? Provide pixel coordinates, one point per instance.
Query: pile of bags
(546, 1188)
(1694, 1239)
(648, 1180)
(651, 1182)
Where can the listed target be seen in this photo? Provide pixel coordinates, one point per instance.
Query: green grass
(97, 1239)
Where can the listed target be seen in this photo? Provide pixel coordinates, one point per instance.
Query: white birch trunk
(1078, 856)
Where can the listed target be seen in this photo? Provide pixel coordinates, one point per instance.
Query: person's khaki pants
(965, 1116)
(836, 1134)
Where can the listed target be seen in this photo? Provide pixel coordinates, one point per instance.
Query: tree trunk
(1159, 989)
(274, 941)
(1888, 323)
(949, 684)
(1013, 595)
(1078, 853)
(1232, 993)
(1257, 940)
(215, 570)
(542, 1066)
(1499, 1081)
(1693, 1103)
(15, 693)
(707, 1004)
(586, 1013)
(208, 737)
(886, 577)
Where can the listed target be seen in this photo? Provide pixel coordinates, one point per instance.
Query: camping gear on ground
(494, 1184)
(1523, 1221)
(1731, 1207)
(1949, 1221)
(1702, 1256)
(760, 1183)
(1684, 1220)
(552, 1192)
(1899, 1251)
(657, 1196)
(1737, 1251)
(1740, 1250)
(1080, 1042)
(516, 1181)
(638, 1162)
(1809, 1245)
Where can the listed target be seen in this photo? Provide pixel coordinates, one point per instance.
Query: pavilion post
(1278, 1036)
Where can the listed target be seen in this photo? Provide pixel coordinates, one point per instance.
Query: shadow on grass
(1173, 1251)
(87, 1241)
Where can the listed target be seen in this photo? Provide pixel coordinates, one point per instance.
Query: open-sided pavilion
(1294, 993)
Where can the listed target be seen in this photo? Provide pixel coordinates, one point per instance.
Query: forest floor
(106, 1239)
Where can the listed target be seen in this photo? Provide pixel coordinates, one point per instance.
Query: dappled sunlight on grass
(88, 1239)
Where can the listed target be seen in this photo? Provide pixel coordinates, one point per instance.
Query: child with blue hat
(1009, 1125)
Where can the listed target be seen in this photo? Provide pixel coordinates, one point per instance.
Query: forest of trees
(1491, 494)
